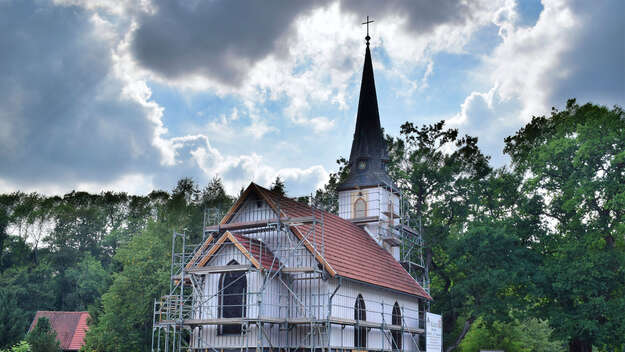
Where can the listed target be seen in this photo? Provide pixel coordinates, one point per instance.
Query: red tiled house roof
(70, 327)
(347, 250)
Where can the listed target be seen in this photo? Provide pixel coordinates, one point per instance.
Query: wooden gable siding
(283, 245)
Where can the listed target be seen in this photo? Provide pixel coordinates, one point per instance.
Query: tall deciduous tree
(125, 322)
(573, 164)
(479, 263)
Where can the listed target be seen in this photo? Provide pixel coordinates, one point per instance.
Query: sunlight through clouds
(145, 92)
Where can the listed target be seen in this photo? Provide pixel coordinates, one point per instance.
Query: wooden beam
(244, 250)
(199, 252)
(218, 269)
(212, 251)
(242, 225)
(301, 269)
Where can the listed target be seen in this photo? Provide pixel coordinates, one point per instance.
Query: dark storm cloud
(217, 39)
(223, 39)
(61, 116)
(422, 15)
(595, 63)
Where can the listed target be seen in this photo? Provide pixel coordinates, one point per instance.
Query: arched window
(232, 292)
(360, 314)
(360, 208)
(396, 334)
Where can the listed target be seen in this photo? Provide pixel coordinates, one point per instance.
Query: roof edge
(428, 297)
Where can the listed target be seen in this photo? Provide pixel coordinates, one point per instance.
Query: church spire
(368, 156)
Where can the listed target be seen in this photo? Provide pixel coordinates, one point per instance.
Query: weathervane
(367, 23)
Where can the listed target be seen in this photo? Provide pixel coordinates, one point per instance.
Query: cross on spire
(367, 23)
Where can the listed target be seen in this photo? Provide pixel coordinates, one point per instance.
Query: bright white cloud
(109, 131)
(537, 67)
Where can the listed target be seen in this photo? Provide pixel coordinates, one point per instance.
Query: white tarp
(433, 332)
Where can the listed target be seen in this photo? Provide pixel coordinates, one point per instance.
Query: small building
(70, 327)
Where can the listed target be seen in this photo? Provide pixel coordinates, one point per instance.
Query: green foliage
(530, 335)
(12, 322)
(33, 289)
(327, 198)
(43, 338)
(278, 186)
(492, 270)
(21, 346)
(574, 168)
(125, 322)
(447, 182)
(4, 222)
(89, 280)
(60, 253)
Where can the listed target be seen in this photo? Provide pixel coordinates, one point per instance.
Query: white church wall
(378, 201)
(379, 307)
(209, 308)
(263, 299)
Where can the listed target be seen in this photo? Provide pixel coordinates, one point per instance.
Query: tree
(530, 335)
(492, 272)
(4, 222)
(43, 338)
(12, 322)
(215, 201)
(214, 195)
(125, 322)
(573, 168)
(441, 176)
(278, 186)
(327, 198)
(89, 281)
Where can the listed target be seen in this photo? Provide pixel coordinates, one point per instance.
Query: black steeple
(368, 158)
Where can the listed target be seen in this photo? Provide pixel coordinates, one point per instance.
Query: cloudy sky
(132, 95)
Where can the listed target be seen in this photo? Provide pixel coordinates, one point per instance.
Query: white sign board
(433, 332)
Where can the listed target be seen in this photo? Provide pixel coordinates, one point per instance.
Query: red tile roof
(347, 249)
(260, 251)
(70, 327)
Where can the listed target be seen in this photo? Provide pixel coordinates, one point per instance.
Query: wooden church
(278, 274)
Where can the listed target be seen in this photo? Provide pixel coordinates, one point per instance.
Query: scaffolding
(389, 210)
(288, 302)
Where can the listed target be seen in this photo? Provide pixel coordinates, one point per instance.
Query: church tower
(368, 197)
